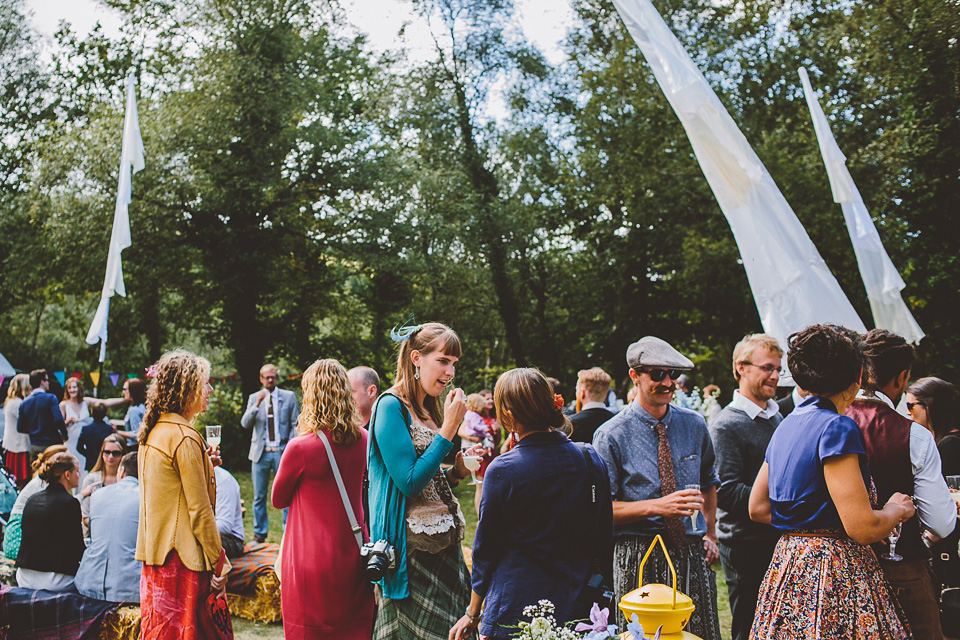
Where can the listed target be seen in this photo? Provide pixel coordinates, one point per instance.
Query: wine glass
(472, 463)
(696, 512)
(213, 436)
(892, 554)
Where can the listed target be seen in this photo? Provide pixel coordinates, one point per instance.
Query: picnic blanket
(49, 615)
(257, 560)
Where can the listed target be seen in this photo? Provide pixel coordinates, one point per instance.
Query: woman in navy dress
(545, 514)
(824, 580)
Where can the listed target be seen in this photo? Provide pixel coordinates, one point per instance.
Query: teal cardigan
(396, 473)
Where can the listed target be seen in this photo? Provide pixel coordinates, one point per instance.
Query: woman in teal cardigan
(411, 503)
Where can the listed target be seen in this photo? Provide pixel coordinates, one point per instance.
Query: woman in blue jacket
(412, 506)
(546, 513)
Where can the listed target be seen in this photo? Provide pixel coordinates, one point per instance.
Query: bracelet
(473, 619)
(456, 477)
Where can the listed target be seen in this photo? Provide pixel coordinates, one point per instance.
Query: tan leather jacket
(178, 494)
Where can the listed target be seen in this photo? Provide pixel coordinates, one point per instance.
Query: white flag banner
(131, 161)
(880, 278)
(791, 284)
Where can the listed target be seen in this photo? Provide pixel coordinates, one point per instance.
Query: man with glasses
(741, 433)
(661, 465)
(272, 414)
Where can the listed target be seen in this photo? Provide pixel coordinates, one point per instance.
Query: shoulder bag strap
(354, 526)
(591, 469)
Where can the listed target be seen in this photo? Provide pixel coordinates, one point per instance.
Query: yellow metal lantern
(657, 604)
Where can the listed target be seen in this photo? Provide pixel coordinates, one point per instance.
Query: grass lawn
(245, 630)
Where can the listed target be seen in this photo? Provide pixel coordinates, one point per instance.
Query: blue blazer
(286, 414)
(40, 417)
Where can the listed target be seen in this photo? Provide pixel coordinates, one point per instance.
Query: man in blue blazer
(40, 415)
(272, 413)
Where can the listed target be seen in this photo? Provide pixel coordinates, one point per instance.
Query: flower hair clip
(403, 332)
(558, 400)
(151, 371)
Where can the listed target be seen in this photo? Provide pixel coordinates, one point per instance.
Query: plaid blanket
(49, 615)
(258, 559)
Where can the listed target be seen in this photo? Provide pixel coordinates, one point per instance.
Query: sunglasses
(659, 374)
(911, 405)
(113, 454)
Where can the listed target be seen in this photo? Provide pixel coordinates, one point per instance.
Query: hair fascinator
(403, 332)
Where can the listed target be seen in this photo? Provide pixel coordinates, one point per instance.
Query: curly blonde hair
(328, 403)
(177, 387)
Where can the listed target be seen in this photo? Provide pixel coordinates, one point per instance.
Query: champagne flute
(213, 436)
(696, 512)
(892, 554)
(472, 462)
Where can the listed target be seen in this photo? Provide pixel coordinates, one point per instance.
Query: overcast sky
(544, 21)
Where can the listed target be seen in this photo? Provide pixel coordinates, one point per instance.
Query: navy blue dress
(539, 528)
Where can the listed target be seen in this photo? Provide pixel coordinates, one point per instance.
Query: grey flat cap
(650, 351)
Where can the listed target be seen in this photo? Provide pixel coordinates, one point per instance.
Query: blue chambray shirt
(628, 445)
(108, 570)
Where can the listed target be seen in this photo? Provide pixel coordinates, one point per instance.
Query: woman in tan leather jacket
(177, 540)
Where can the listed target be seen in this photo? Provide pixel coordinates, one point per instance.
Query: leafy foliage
(302, 195)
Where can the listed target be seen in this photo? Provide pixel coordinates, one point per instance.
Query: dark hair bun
(825, 359)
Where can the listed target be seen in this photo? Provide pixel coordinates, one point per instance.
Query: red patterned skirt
(19, 465)
(170, 595)
(827, 587)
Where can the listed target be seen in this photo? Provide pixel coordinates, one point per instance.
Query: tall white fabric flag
(880, 278)
(791, 284)
(131, 161)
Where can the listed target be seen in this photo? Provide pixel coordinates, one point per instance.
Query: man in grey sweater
(740, 433)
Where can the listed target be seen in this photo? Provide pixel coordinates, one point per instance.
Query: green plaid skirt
(439, 594)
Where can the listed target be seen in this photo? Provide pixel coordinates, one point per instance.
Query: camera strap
(354, 526)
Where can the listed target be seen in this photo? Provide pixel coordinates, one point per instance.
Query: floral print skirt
(827, 587)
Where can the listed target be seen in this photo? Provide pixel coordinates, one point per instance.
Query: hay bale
(121, 624)
(263, 605)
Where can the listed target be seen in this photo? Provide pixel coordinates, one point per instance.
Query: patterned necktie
(271, 430)
(668, 484)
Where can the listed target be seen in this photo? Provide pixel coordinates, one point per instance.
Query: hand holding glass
(696, 512)
(472, 462)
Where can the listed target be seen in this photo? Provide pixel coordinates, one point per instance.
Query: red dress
(324, 593)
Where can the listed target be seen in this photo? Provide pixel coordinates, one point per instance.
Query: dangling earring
(416, 373)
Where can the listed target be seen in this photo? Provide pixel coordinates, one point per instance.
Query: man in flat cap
(661, 465)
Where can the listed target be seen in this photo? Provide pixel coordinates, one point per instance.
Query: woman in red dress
(324, 594)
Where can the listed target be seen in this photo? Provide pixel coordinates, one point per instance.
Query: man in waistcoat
(741, 433)
(661, 465)
(272, 414)
(903, 457)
